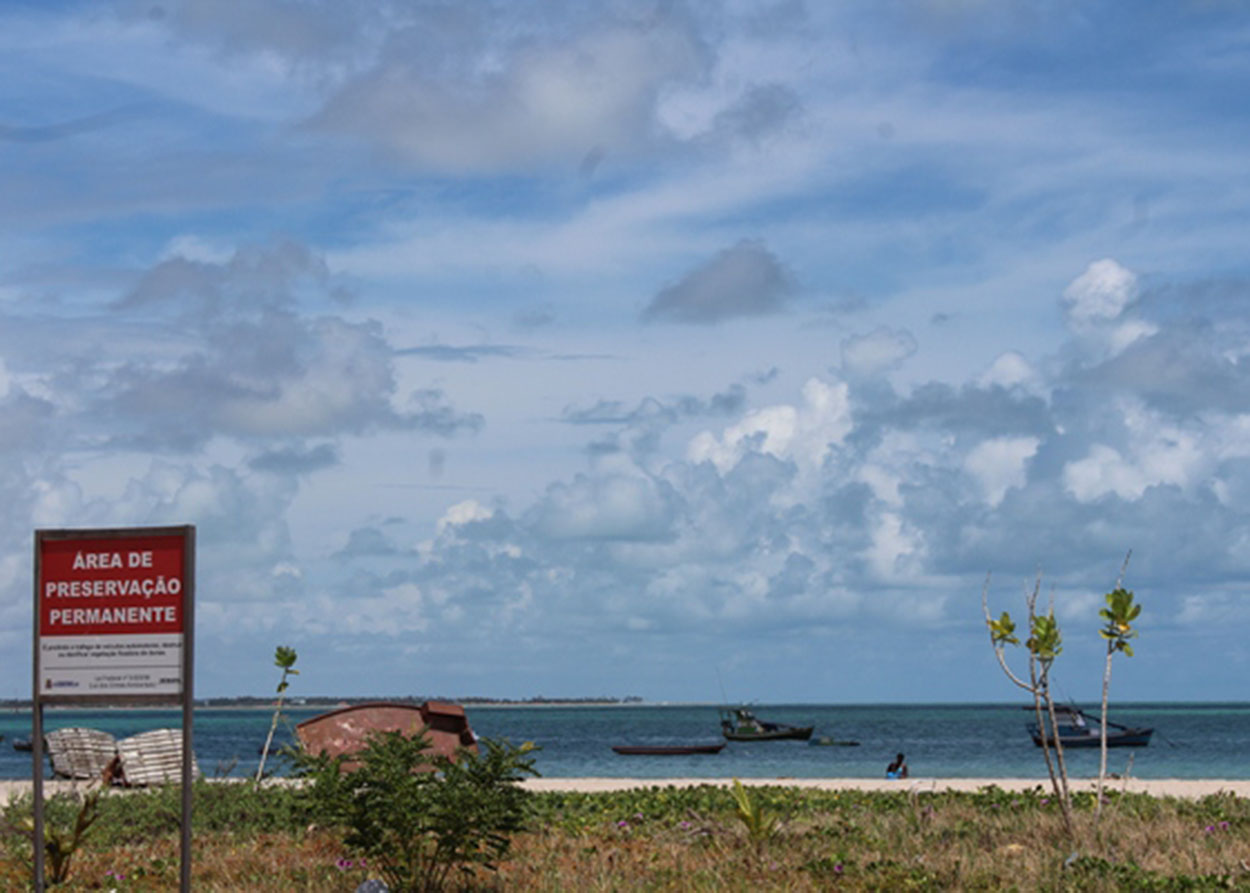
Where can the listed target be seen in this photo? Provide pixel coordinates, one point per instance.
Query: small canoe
(669, 750)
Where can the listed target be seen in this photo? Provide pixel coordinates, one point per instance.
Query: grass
(691, 839)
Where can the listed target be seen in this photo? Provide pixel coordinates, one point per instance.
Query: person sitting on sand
(897, 769)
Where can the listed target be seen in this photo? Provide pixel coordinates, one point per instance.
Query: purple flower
(1045, 800)
(622, 824)
(837, 869)
(116, 875)
(1223, 826)
(344, 864)
(1209, 829)
(638, 816)
(684, 825)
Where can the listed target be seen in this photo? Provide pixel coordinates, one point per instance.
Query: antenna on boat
(721, 682)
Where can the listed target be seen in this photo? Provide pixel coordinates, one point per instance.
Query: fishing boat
(741, 724)
(666, 750)
(1078, 729)
(22, 744)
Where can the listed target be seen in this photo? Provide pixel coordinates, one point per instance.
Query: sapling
(759, 824)
(283, 659)
(1119, 616)
(1044, 644)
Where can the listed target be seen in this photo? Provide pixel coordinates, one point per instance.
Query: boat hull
(1133, 738)
(790, 734)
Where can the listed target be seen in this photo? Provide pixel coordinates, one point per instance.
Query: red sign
(118, 585)
(113, 611)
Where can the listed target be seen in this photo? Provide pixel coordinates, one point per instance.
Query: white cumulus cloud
(1000, 464)
(802, 433)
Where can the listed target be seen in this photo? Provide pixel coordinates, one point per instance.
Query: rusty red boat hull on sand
(345, 731)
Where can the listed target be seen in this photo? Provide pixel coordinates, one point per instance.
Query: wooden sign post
(114, 625)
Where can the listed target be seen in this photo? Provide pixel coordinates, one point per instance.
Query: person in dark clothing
(897, 769)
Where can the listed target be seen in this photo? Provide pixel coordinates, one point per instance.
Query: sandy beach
(1158, 787)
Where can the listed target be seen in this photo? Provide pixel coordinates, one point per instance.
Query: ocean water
(943, 740)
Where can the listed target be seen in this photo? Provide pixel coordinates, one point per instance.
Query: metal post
(36, 750)
(188, 702)
(36, 736)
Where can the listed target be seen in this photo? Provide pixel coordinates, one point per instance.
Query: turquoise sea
(945, 740)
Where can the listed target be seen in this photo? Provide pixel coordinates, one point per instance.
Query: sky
(683, 350)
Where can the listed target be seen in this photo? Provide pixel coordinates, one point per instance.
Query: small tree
(419, 816)
(284, 660)
(1044, 644)
(1119, 616)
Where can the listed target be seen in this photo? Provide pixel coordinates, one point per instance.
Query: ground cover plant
(694, 839)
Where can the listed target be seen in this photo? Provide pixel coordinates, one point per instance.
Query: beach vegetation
(760, 824)
(67, 819)
(1044, 645)
(284, 658)
(1117, 630)
(421, 819)
(688, 838)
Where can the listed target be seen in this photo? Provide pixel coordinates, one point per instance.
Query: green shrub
(414, 825)
(67, 818)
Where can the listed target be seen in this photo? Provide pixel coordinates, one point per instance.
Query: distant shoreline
(338, 705)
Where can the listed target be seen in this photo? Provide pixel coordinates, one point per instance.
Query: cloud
(1000, 464)
(877, 352)
(761, 111)
(295, 32)
(366, 542)
(744, 280)
(615, 506)
(1010, 370)
(253, 364)
(651, 410)
(801, 433)
(443, 98)
(1190, 366)
(1157, 453)
(446, 353)
(1099, 297)
(296, 459)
